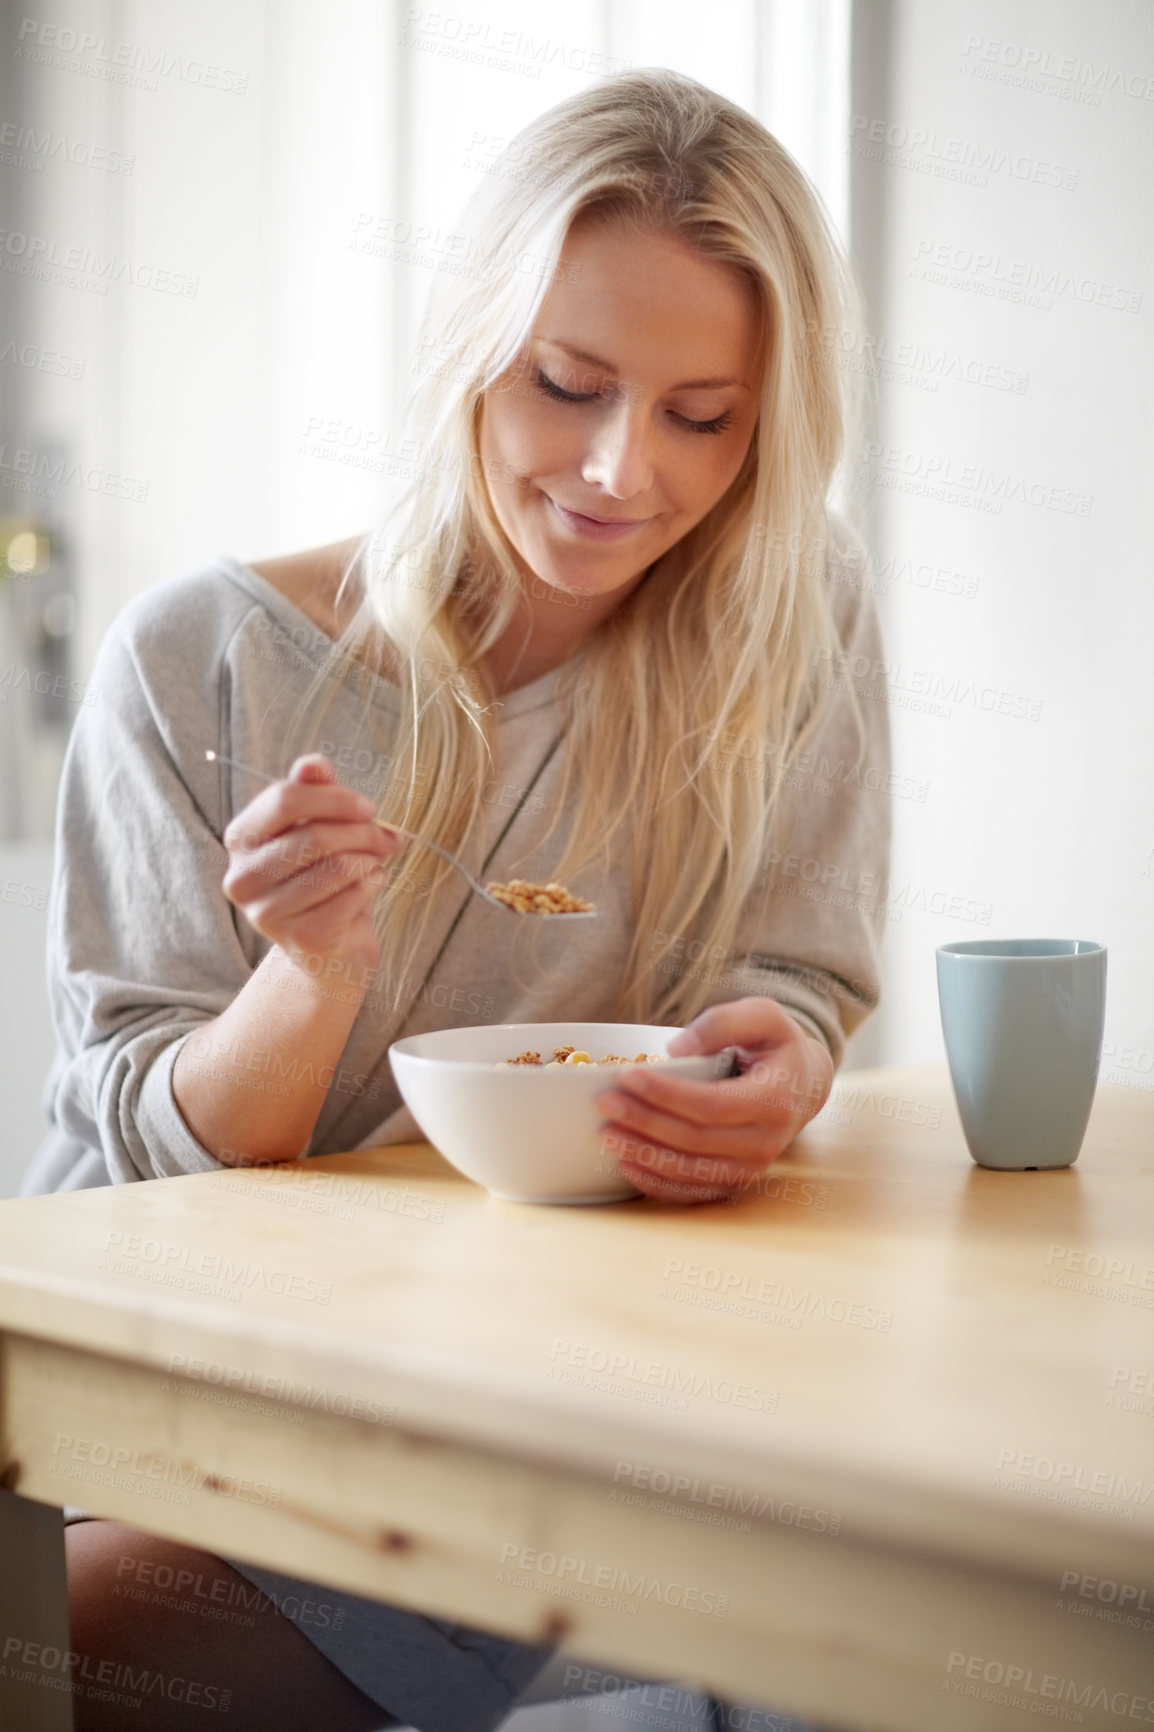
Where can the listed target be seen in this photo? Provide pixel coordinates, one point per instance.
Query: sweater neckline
(315, 645)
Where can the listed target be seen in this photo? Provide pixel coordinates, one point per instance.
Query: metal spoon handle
(238, 764)
(445, 855)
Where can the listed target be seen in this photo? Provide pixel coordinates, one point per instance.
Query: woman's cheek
(540, 447)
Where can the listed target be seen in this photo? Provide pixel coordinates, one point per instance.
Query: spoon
(574, 914)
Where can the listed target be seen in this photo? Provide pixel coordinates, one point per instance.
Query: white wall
(1016, 303)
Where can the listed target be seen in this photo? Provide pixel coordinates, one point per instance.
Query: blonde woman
(610, 636)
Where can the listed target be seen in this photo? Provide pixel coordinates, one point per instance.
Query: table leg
(34, 1673)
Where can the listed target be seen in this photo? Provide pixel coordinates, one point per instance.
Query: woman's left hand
(704, 1142)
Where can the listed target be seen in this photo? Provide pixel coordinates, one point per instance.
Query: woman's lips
(593, 528)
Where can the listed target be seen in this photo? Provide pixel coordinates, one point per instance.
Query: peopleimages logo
(1003, 277)
(144, 1471)
(23, 146)
(564, 1573)
(950, 157)
(199, 1271)
(29, 1662)
(34, 254)
(121, 62)
(898, 1107)
(233, 1378)
(38, 360)
(652, 1380)
(1041, 69)
(742, 1284)
(1075, 1476)
(1109, 1592)
(1075, 1260)
(38, 472)
(714, 1495)
(1021, 1687)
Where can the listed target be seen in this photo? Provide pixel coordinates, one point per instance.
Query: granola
(528, 898)
(570, 1055)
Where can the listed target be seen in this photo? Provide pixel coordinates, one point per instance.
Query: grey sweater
(144, 946)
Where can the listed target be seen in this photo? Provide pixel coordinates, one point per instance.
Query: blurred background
(218, 227)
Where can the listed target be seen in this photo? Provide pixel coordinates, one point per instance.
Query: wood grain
(884, 1409)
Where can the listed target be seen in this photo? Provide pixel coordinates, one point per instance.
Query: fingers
(729, 1102)
(673, 1177)
(284, 805)
(746, 1117)
(307, 857)
(355, 875)
(749, 1022)
(740, 1148)
(338, 929)
(689, 1141)
(313, 767)
(669, 1191)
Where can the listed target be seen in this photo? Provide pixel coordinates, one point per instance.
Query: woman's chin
(581, 584)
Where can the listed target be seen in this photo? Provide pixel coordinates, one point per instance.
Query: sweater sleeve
(810, 935)
(142, 942)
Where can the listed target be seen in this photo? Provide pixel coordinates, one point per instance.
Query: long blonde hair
(723, 635)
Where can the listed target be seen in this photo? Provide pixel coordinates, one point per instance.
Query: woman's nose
(619, 458)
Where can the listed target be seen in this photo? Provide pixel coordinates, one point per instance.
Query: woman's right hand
(305, 863)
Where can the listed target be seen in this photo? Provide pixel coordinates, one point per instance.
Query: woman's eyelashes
(550, 387)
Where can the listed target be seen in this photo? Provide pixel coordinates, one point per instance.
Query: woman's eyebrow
(608, 367)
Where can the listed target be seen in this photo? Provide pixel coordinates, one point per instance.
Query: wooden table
(875, 1446)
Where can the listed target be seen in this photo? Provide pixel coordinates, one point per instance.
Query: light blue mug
(1022, 1020)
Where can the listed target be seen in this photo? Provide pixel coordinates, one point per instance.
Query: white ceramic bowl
(526, 1132)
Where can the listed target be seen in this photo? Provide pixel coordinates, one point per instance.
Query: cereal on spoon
(528, 898)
